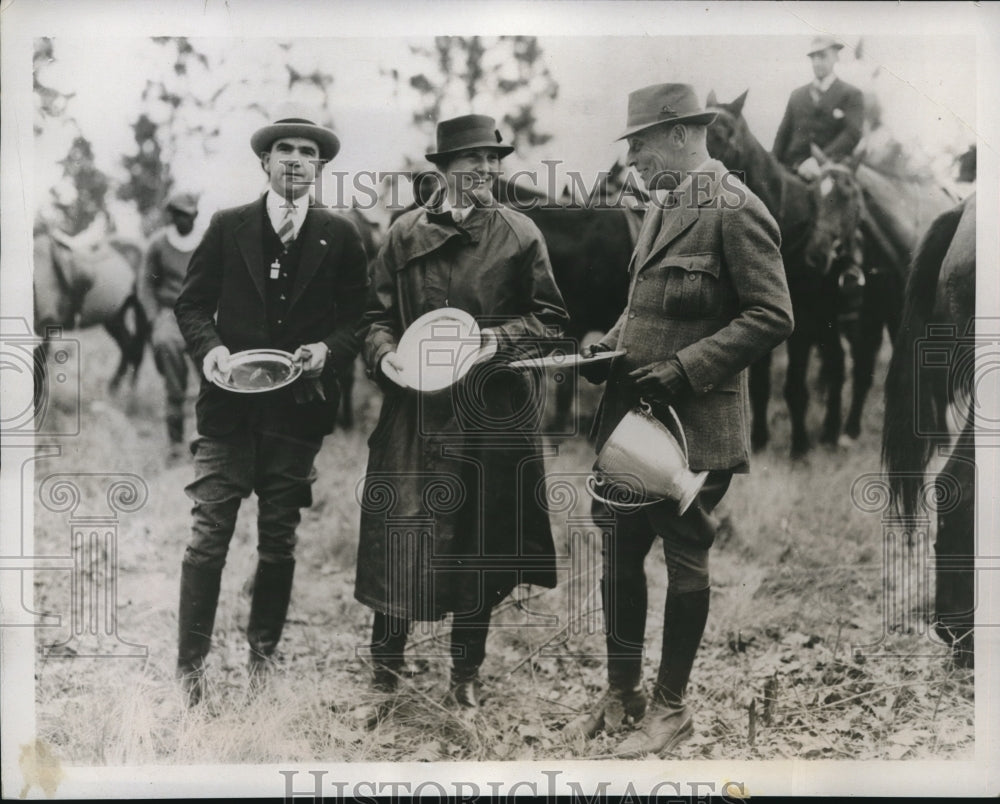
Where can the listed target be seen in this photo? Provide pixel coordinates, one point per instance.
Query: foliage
(81, 197)
(505, 76)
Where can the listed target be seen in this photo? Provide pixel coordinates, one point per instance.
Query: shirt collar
(458, 215)
(824, 84)
(278, 204)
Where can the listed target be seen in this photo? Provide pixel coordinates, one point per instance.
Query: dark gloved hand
(664, 382)
(595, 373)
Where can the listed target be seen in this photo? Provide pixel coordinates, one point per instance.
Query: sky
(926, 83)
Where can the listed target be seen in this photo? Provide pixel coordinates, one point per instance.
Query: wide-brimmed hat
(822, 43)
(465, 132)
(664, 103)
(183, 202)
(294, 121)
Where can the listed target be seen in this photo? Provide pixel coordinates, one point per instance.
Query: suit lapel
(315, 244)
(249, 239)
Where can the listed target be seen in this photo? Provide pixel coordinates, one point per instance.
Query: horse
(76, 287)
(371, 240)
(924, 396)
(814, 278)
(589, 246)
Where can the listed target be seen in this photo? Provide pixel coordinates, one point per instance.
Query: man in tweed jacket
(707, 298)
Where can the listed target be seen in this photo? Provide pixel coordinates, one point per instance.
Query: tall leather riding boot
(624, 702)
(272, 589)
(668, 721)
(196, 618)
(684, 619)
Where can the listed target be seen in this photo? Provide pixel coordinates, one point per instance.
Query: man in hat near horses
(707, 298)
(160, 281)
(827, 112)
(278, 273)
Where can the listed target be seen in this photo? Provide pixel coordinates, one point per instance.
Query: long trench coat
(453, 507)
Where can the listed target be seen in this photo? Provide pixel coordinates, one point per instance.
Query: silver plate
(257, 371)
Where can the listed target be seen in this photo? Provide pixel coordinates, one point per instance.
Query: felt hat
(664, 103)
(294, 121)
(822, 43)
(465, 132)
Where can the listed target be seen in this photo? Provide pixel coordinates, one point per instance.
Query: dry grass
(796, 591)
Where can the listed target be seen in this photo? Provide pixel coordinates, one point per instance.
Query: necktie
(287, 229)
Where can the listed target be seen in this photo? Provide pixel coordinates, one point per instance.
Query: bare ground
(797, 660)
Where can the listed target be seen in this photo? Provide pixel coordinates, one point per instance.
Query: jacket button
(631, 315)
(692, 277)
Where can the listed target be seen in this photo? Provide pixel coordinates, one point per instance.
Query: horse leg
(346, 415)
(864, 349)
(40, 355)
(796, 393)
(954, 550)
(116, 329)
(832, 354)
(760, 394)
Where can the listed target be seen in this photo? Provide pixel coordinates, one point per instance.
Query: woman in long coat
(453, 514)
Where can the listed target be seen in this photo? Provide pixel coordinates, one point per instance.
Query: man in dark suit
(826, 112)
(277, 273)
(707, 298)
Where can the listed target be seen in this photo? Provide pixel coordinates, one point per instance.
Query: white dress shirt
(277, 205)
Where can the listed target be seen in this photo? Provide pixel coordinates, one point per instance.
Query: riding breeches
(277, 468)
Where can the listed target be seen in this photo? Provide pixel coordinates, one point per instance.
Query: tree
(505, 73)
(80, 197)
(185, 105)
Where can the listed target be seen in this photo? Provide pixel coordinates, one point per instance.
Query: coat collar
(434, 227)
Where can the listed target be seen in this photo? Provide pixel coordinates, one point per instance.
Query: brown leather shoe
(615, 710)
(663, 728)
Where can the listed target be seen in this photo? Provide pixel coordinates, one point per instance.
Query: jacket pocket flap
(703, 263)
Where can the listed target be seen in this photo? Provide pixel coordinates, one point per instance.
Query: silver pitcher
(643, 457)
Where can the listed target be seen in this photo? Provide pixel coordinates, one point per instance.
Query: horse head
(727, 134)
(833, 241)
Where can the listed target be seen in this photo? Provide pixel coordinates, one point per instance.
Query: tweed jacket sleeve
(750, 249)
(199, 297)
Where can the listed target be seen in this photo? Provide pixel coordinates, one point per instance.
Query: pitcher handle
(648, 409)
(593, 481)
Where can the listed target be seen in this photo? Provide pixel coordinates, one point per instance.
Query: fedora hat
(664, 103)
(294, 121)
(822, 43)
(184, 202)
(465, 132)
